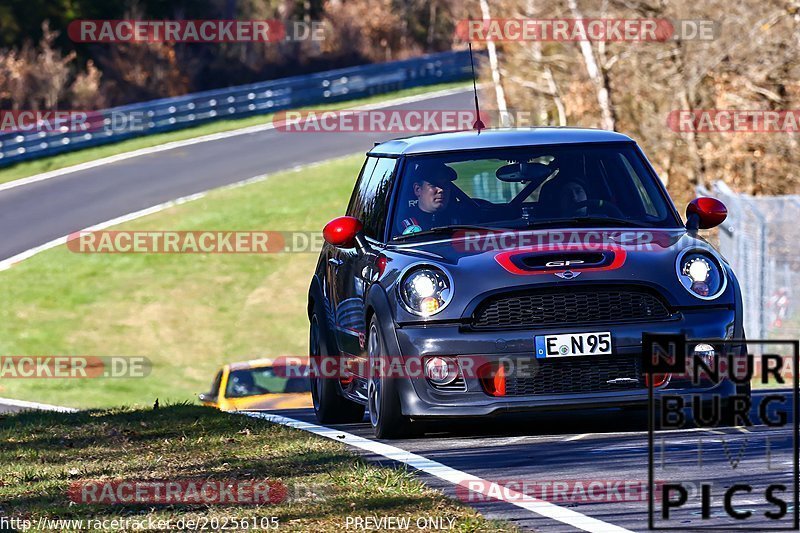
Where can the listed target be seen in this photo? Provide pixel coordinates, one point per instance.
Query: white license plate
(573, 344)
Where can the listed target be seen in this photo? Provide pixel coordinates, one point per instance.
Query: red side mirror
(705, 213)
(341, 231)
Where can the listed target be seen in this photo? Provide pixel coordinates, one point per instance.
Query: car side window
(214, 392)
(356, 206)
(370, 202)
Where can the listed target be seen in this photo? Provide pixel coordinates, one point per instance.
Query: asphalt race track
(36, 213)
(603, 446)
(586, 446)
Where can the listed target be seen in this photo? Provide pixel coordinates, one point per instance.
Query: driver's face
(573, 195)
(432, 197)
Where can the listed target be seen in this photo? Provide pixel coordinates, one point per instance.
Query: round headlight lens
(425, 291)
(701, 275)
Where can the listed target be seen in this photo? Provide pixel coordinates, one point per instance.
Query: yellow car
(259, 384)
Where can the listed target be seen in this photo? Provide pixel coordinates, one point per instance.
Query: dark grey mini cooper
(481, 273)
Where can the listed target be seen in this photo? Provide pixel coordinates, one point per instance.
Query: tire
(744, 389)
(385, 414)
(329, 405)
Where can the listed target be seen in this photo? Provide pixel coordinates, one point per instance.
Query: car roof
(261, 363)
(495, 138)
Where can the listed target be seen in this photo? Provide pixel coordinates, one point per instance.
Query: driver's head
(432, 186)
(242, 382)
(572, 198)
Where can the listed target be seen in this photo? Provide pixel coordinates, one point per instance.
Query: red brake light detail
(342, 231)
(710, 211)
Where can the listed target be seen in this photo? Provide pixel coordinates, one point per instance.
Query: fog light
(441, 371)
(706, 351)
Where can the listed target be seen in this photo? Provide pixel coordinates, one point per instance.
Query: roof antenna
(478, 125)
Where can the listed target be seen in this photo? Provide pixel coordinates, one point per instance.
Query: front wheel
(385, 414)
(329, 406)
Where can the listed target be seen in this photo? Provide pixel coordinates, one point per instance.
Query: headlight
(701, 274)
(425, 290)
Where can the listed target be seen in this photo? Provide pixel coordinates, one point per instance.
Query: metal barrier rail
(168, 114)
(759, 239)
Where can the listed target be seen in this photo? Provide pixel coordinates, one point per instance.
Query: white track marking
(207, 138)
(5, 264)
(36, 406)
(451, 475)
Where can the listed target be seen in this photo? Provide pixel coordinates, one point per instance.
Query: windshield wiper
(438, 230)
(611, 221)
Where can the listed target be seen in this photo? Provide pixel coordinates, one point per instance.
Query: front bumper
(419, 399)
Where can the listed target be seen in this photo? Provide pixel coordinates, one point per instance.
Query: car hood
(484, 263)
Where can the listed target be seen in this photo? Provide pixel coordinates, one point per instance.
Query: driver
(573, 198)
(433, 188)
(242, 384)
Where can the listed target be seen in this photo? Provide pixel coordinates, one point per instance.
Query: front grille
(559, 307)
(568, 375)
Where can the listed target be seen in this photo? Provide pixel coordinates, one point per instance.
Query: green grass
(30, 168)
(42, 454)
(187, 313)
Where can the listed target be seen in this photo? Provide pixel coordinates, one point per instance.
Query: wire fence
(759, 239)
(168, 114)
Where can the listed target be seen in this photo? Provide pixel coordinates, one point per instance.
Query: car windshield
(565, 186)
(255, 381)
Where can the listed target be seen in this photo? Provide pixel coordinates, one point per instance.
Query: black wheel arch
(377, 304)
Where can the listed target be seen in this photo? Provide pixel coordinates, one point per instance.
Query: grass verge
(42, 454)
(37, 166)
(188, 314)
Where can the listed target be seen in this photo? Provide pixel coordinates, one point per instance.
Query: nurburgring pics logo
(741, 473)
